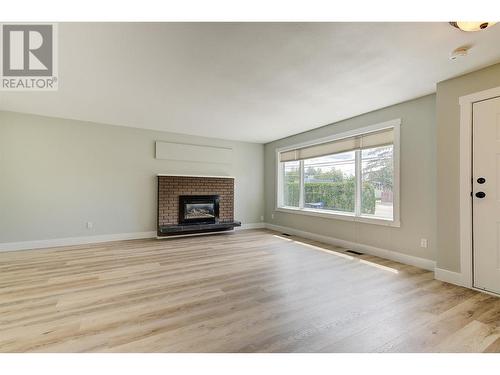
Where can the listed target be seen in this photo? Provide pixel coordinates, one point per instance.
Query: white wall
(58, 174)
(417, 184)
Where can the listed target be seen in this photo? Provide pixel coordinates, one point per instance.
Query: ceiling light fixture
(472, 26)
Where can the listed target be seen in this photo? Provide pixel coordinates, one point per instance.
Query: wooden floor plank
(247, 291)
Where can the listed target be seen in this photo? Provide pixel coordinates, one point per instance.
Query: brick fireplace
(172, 187)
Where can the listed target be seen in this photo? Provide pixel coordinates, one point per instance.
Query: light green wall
(448, 163)
(57, 174)
(418, 183)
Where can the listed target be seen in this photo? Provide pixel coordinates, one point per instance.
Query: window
(291, 182)
(352, 176)
(329, 182)
(377, 171)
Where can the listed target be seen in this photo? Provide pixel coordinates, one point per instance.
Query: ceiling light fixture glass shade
(472, 26)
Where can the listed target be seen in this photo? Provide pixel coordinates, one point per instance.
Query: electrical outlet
(90, 225)
(272, 216)
(262, 218)
(423, 242)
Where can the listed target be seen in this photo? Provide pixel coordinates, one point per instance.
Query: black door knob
(481, 180)
(480, 194)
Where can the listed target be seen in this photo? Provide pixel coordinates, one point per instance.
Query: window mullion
(301, 185)
(357, 204)
(280, 171)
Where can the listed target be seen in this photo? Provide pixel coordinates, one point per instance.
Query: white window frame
(356, 216)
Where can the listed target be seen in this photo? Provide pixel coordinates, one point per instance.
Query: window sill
(339, 216)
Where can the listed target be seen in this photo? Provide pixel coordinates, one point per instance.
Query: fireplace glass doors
(196, 209)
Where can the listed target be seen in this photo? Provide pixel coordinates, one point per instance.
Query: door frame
(466, 122)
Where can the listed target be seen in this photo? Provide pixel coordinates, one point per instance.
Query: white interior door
(486, 194)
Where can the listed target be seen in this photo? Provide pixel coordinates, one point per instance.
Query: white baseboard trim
(439, 273)
(251, 226)
(56, 242)
(383, 253)
(69, 241)
(450, 277)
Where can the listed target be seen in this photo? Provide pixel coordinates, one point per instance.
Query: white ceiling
(247, 81)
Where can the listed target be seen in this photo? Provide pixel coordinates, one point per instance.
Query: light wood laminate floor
(248, 291)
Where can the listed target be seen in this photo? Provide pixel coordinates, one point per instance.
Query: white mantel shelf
(193, 175)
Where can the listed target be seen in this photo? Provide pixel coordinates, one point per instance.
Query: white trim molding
(449, 277)
(70, 241)
(423, 263)
(251, 226)
(466, 103)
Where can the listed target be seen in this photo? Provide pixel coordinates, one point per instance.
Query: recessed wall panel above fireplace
(193, 153)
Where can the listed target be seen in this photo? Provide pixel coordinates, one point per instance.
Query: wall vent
(354, 252)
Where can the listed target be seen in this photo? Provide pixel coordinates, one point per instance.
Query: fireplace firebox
(198, 209)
